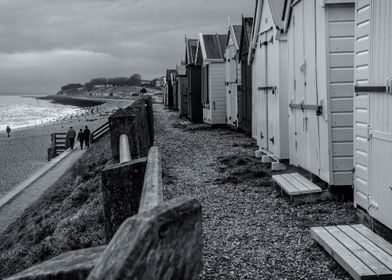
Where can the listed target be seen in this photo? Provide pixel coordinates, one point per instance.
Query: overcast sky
(45, 44)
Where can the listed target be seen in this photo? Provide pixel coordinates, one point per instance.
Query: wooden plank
(287, 187)
(343, 163)
(357, 269)
(370, 261)
(368, 244)
(342, 149)
(342, 28)
(306, 182)
(297, 184)
(376, 239)
(337, 45)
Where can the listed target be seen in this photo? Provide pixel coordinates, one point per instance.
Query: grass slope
(68, 216)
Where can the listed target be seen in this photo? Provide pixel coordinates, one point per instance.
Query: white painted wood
(321, 72)
(373, 116)
(233, 70)
(294, 184)
(269, 90)
(357, 249)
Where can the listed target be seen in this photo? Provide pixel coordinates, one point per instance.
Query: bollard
(125, 152)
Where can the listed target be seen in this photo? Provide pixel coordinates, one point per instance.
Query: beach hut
(182, 89)
(212, 49)
(245, 120)
(373, 107)
(234, 96)
(175, 90)
(193, 62)
(168, 92)
(320, 37)
(269, 58)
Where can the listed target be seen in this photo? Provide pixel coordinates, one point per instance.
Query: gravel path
(250, 232)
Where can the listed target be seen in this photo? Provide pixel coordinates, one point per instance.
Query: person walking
(8, 130)
(86, 133)
(71, 134)
(81, 138)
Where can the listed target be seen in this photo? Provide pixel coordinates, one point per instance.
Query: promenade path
(14, 203)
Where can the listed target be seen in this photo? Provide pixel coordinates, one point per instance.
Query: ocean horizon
(17, 111)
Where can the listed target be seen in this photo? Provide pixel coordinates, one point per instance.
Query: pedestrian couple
(83, 137)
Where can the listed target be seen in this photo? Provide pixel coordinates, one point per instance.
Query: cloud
(74, 40)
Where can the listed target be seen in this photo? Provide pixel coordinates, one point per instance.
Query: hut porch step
(267, 157)
(298, 188)
(184, 123)
(360, 251)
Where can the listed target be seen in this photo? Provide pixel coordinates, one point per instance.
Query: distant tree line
(134, 80)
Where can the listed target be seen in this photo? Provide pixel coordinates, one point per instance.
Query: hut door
(380, 135)
(272, 96)
(263, 95)
(380, 206)
(233, 85)
(304, 102)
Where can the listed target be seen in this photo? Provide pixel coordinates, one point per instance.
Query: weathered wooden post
(122, 182)
(122, 185)
(150, 118)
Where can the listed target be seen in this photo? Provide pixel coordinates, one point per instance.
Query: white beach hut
(373, 109)
(269, 59)
(234, 97)
(320, 38)
(212, 47)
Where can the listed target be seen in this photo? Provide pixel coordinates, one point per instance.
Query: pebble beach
(26, 150)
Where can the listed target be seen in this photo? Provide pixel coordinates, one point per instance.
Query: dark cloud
(47, 43)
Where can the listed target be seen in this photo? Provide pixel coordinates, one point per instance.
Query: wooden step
(360, 251)
(298, 188)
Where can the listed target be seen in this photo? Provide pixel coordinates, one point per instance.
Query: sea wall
(147, 238)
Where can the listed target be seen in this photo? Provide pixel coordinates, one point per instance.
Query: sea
(22, 111)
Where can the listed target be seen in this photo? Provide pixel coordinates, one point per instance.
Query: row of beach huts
(311, 81)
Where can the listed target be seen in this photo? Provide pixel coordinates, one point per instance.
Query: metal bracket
(268, 88)
(303, 107)
(372, 89)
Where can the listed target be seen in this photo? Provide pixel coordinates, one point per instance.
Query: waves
(18, 112)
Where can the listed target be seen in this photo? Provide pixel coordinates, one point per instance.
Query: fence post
(123, 122)
(150, 118)
(122, 186)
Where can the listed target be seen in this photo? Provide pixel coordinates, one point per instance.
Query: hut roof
(213, 45)
(277, 7)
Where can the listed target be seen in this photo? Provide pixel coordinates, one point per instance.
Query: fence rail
(99, 132)
(59, 143)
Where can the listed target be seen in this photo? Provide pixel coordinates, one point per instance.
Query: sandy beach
(26, 150)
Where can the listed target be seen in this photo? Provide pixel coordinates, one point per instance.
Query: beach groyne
(147, 237)
(66, 100)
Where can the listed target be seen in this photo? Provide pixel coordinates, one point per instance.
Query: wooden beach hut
(168, 92)
(193, 62)
(373, 107)
(269, 59)
(212, 49)
(359, 250)
(182, 90)
(234, 98)
(245, 122)
(175, 90)
(320, 37)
